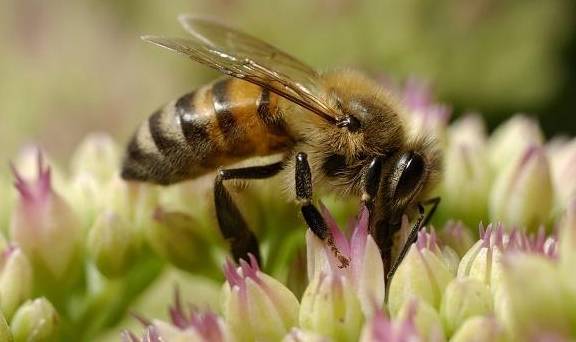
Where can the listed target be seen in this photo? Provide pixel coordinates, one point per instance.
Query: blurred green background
(70, 67)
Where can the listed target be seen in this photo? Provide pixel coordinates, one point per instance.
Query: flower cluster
(490, 293)
(80, 249)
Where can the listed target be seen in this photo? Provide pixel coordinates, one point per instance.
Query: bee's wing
(240, 55)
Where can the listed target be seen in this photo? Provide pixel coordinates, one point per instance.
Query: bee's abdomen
(216, 125)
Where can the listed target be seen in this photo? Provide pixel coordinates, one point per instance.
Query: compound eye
(411, 175)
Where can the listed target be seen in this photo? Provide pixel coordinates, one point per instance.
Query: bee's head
(407, 177)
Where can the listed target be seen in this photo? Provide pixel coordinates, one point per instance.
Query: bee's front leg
(313, 218)
(232, 225)
(371, 183)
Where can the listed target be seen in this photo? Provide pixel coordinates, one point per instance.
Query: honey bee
(338, 130)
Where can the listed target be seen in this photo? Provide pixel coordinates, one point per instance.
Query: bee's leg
(433, 203)
(232, 225)
(371, 183)
(423, 219)
(313, 218)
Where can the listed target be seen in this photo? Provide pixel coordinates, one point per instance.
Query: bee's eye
(411, 176)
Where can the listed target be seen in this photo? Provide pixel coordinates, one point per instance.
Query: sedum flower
(382, 329)
(567, 259)
(27, 160)
(427, 320)
(483, 261)
(480, 329)
(423, 275)
(179, 238)
(299, 335)
(5, 333)
(533, 302)
(185, 325)
(255, 305)
(424, 115)
(161, 331)
(563, 165)
(511, 139)
(15, 280)
(330, 307)
(522, 195)
(206, 325)
(35, 320)
(136, 202)
(112, 245)
(457, 236)
(96, 155)
(465, 188)
(463, 299)
(365, 272)
(93, 169)
(42, 223)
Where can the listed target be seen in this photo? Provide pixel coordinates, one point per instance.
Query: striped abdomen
(216, 125)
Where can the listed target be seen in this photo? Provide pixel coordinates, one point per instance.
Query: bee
(338, 130)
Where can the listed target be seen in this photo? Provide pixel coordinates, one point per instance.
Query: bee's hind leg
(231, 222)
(313, 218)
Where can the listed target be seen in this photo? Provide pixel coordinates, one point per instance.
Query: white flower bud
(522, 195)
(464, 298)
(15, 280)
(257, 306)
(35, 320)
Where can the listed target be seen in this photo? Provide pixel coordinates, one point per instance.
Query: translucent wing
(240, 55)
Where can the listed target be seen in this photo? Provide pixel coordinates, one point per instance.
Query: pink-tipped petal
(359, 236)
(339, 239)
(231, 274)
(128, 336)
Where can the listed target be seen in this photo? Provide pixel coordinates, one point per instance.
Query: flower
(456, 236)
(330, 307)
(299, 335)
(43, 222)
(533, 303)
(93, 169)
(15, 279)
(484, 260)
(423, 274)
(112, 245)
(382, 329)
(255, 305)
(35, 320)
(467, 179)
(97, 155)
(463, 299)
(523, 195)
(425, 116)
(365, 272)
(185, 325)
(480, 329)
(5, 333)
(206, 325)
(426, 319)
(567, 254)
(511, 139)
(181, 239)
(562, 156)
